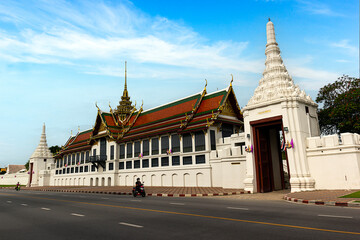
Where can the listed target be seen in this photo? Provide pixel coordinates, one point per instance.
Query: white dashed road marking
(78, 215)
(334, 216)
(47, 209)
(174, 203)
(237, 208)
(24, 204)
(130, 225)
(9, 201)
(104, 198)
(136, 200)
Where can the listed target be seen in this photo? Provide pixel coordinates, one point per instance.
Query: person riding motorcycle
(138, 184)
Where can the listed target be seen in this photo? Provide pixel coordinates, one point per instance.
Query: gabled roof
(192, 113)
(79, 142)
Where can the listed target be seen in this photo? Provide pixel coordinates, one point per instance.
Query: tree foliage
(27, 165)
(341, 106)
(54, 149)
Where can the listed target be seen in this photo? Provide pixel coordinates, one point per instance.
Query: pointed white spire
(276, 82)
(42, 150)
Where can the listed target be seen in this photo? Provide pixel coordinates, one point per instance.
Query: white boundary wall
(334, 164)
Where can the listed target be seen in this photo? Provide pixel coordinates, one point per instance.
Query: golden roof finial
(71, 133)
(110, 107)
(232, 79)
(97, 106)
(78, 128)
(125, 77)
(205, 84)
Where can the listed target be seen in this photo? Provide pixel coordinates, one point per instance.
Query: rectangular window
(175, 143)
(76, 169)
(60, 172)
(137, 164)
(57, 172)
(72, 170)
(187, 160)
(154, 146)
(93, 168)
(82, 157)
(175, 160)
(86, 169)
(137, 148)
(145, 163)
(199, 141)
(164, 161)
(87, 159)
(69, 160)
(121, 165)
(122, 151)
(73, 159)
(57, 163)
(187, 143)
(94, 152)
(64, 171)
(200, 159)
(129, 147)
(81, 169)
(112, 151)
(146, 147)
(227, 130)
(154, 162)
(128, 164)
(77, 158)
(212, 140)
(104, 168)
(164, 144)
(111, 166)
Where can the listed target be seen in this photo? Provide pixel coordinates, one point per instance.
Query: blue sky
(57, 58)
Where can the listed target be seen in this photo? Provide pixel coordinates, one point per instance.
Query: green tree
(54, 149)
(27, 165)
(341, 106)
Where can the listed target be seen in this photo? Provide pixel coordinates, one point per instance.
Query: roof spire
(125, 78)
(270, 33)
(42, 150)
(125, 93)
(276, 82)
(124, 107)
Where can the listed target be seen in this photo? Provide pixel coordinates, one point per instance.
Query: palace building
(169, 145)
(205, 140)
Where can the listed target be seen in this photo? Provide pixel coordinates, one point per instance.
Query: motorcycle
(140, 191)
(17, 188)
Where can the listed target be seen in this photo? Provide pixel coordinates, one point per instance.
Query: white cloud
(318, 8)
(70, 36)
(345, 45)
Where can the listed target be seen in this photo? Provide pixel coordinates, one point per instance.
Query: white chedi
(42, 150)
(276, 82)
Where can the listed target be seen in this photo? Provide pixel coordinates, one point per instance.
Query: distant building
(14, 174)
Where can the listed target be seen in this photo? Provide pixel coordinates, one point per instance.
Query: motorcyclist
(138, 184)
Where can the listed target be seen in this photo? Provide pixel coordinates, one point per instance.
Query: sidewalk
(324, 197)
(150, 191)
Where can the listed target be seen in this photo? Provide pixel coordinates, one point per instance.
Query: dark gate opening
(270, 174)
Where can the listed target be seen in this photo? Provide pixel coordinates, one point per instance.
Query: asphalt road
(52, 215)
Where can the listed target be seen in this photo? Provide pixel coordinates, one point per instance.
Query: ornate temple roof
(276, 83)
(192, 113)
(42, 150)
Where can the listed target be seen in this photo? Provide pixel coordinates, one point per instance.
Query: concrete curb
(148, 194)
(325, 203)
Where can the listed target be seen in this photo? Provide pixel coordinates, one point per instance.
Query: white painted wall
(335, 165)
